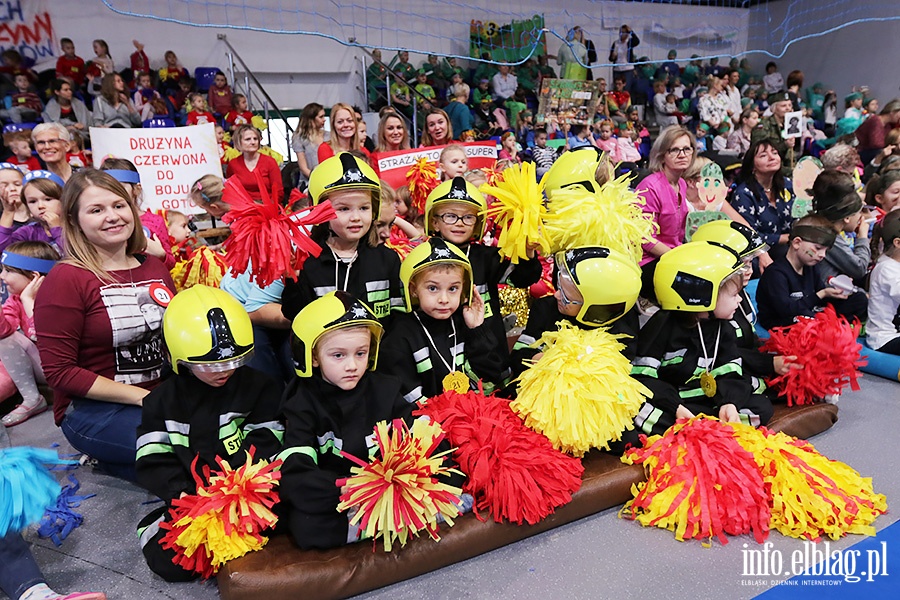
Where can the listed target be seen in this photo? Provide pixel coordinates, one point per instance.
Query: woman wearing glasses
(665, 197)
(52, 141)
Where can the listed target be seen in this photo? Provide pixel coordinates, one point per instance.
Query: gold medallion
(708, 384)
(456, 381)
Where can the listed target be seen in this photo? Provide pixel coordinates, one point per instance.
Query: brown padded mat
(282, 571)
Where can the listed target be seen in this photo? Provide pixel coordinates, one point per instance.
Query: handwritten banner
(393, 165)
(169, 160)
(568, 101)
(27, 28)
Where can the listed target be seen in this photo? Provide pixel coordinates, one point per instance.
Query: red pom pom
(826, 347)
(422, 179)
(264, 238)
(513, 472)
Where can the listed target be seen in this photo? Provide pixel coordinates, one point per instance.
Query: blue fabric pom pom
(59, 520)
(27, 488)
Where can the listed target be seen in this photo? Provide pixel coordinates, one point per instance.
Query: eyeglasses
(452, 219)
(680, 151)
(43, 143)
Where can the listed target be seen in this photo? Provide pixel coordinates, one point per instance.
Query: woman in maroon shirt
(98, 319)
(251, 162)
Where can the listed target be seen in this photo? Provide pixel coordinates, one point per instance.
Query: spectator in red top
(171, 73)
(252, 163)
(19, 143)
(344, 133)
(140, 62)
(69, 64)
(199, 113)
(98, 318)
(220, 94)
(873, 130)
(239, 113)
(26, 105)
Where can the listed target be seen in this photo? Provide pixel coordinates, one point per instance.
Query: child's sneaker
(84, 596)
(22, 413)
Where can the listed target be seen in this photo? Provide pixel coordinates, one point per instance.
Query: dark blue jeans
(105, 431)
(18, 571)
(272, 353)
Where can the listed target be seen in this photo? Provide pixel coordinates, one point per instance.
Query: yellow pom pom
(274, 154)
(260, 123)
(580, 394)
(230, 154)
(519, 211)
(611, 217)
(812, 496)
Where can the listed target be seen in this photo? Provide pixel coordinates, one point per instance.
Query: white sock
(39, 591)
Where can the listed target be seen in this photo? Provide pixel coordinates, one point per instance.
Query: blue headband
(9, 165)
(26, 263)
(124, 175)
(44, 175)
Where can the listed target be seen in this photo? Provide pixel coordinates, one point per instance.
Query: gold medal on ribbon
(708, 384)
(456, 381)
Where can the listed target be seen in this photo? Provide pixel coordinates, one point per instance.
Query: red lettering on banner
(160, 143)
(169, 160)
(177, 204)
(42, 28)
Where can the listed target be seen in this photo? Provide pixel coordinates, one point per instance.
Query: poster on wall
(169, 160)
(569, 101)
(393, 166)
(26, 27)
(507, 42)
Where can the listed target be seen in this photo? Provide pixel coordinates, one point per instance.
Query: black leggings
(892, 347)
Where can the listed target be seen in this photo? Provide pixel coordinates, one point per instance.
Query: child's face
(198, 103)
(701, 133)
(242, 104)
(220, 81)
(851, 223)
(171, 59)
(857, 102)
(890, 199)
(40, 205)
(808, 253)
(21, 83)
(454, 164)
(184, 86)
(362, 131)
(354, 214)
(68, 48)
(11, 184)
(400, 207)
(220, 134)
(457, 233)
(727, 302)
(98, 49)
(15, 282)
(179, 230)
(540, 141)
(213, 379)
(386, 217)
(342, 356)
(605, 132)
(439, 291)
(20, 148)
(144, 81)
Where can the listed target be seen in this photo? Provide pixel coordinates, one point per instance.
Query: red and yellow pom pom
(398, 493)
(812, 496)
(826, 348)
(202, 267)
(580, 393)
(421, 179)
(225, 518)
(513, 472)
(611, 217)
(700, 484)
(518, 212)
(264, 238)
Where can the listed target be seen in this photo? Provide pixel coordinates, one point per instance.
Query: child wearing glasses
(454, 212)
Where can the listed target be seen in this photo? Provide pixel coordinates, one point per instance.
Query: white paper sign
(169, 160)
(793, 125)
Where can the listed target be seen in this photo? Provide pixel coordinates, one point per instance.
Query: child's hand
(51, 219)
(728, 413)
(785, 364)
(764, 261)
(154, 248)
(31, 290)
(473, 313)
(10, 203)
(138, 46)
(683, 413)
(832, 292)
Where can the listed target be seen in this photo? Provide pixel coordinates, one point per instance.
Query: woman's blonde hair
(380, 141)
(81, 252)
(333, 140)
(239, 131)
(108, 89)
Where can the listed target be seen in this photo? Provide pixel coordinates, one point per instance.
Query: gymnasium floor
(598, 557)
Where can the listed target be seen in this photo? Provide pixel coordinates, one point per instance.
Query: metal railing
(256, 96)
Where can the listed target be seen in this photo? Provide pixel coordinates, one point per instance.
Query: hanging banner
(569, 101)
(169, 160)
(26, 27)
(392, 166)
